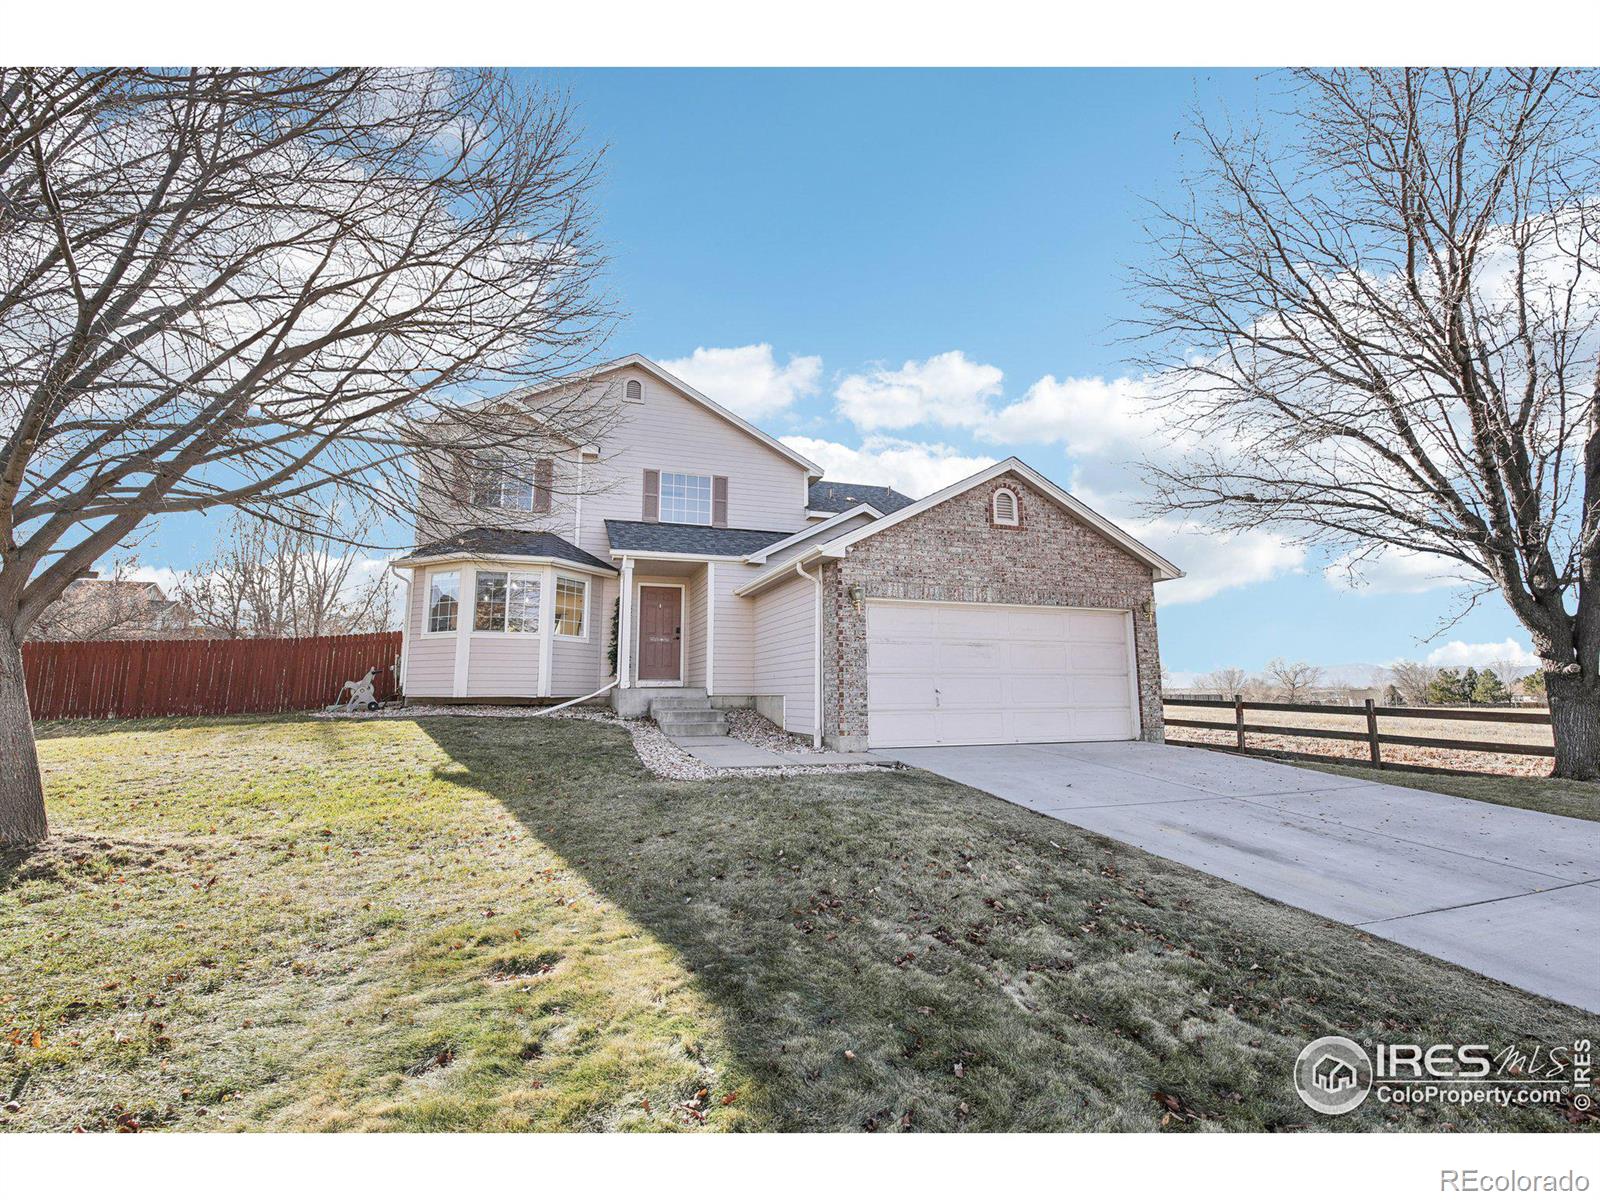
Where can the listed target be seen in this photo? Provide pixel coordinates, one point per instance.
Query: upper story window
(685, 499)
(506, 602)
(633, 390)
(501, 482)
(444, 600)
(1005, 507)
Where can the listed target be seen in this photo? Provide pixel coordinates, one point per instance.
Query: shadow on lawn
(775, 895)
(918, 925)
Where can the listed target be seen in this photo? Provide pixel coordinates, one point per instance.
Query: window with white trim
(506, 602)
(1005, 507)
(500, 483)
(685, 499)
(571, 607)
(444, 600)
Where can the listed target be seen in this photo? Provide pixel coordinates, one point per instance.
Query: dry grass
(499, 925)
(1425, 724)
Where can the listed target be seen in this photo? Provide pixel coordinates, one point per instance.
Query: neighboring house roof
(649, 537)
(837, 497)
(507, 543)
(640, 362)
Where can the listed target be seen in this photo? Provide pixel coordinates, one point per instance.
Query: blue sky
(858, 248)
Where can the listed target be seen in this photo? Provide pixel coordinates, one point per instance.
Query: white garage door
(979, 674)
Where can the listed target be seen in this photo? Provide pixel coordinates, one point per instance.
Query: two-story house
(716, 568)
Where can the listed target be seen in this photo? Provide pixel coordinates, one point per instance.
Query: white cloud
(749, 379)
(915, 468)
(1397, 573)
(1214, 562)
(1088, 415)
(1484, 654)
(947, 389)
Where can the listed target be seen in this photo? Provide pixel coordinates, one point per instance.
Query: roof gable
(1161, 567)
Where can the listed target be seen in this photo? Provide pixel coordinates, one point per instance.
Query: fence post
(1238, 717)
(1372, 734)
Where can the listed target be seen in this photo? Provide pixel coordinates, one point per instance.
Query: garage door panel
(1035, 657)
(959, 656)
(1099, 690)
(951, 674)
(1040, 691)
(1098, 656)
(897, 655)
(1106, 724)
(1087, 626)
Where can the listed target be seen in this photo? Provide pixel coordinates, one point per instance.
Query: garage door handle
(936, 697)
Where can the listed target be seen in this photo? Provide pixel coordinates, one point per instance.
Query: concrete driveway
(1512, 894)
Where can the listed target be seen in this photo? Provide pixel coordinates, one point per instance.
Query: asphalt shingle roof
(837, 497)
(527, 542)
(664, 538)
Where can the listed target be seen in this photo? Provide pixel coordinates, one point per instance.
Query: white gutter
(405, 627)
(816, 685)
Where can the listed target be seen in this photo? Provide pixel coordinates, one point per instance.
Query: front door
(660, 634)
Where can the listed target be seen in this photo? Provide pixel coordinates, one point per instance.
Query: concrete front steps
(688, 713)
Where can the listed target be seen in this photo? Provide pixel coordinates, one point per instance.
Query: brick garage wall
(955, 552)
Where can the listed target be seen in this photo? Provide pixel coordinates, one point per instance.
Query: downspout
(405, 627)
(816, 685)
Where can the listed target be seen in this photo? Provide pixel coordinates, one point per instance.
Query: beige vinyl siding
(573, 663)
(734, 671)
(501, 665)
(785, 627)
(694, 631)
(431, 669)
(669, 432)
(666, 431)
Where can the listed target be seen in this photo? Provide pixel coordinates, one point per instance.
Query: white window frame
(536, 577)
(427, 603)
(555, 597)
(661, 497)
(1016, 508)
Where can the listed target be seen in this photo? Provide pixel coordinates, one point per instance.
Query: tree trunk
(1575, 724)
(22, 820)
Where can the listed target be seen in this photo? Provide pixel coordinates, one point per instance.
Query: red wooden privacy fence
(200, 678)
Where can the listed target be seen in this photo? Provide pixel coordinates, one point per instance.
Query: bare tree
(1380, 333)
(1229, 681)
(1413, 679)
(271, 580)
(1292, 681)
(235, 288)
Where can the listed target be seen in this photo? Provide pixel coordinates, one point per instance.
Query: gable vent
(633, 390)
(1005, 507)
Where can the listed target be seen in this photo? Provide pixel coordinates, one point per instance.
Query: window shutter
(543, 477)
(652, 496)
(719, 501)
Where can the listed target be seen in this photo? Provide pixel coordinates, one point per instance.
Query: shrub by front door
(660, 634)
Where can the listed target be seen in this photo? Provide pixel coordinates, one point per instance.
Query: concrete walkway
(719, 750)
(1512, 894)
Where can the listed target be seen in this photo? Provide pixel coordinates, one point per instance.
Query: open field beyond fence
(1513, 736)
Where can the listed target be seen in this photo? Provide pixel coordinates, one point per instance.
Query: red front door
(660, 634)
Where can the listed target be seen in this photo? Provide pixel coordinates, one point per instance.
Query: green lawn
(1563, 797)
(453, 923)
